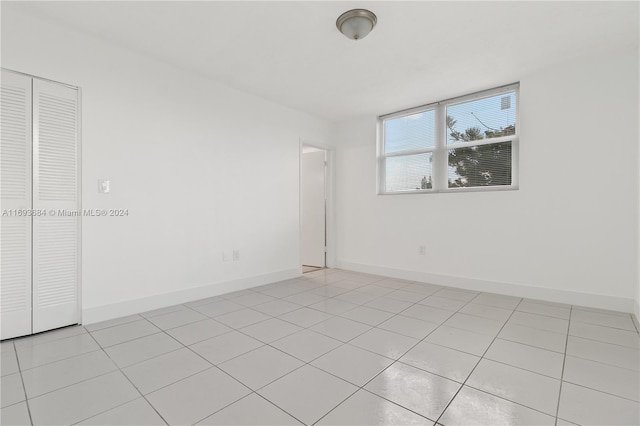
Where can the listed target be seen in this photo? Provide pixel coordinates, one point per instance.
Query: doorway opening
(313, 208)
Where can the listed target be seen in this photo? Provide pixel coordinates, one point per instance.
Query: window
(468, 143)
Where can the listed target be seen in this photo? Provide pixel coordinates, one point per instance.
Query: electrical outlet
(236, 255)
(104, 186)
(422, 250)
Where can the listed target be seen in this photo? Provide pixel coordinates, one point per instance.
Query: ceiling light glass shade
(357, 23)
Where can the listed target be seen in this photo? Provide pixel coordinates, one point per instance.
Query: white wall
(201, 168)
(568, 234)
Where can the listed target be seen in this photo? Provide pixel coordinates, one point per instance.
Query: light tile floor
(332, 348)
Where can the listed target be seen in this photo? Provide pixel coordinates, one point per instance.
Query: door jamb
(330, 254)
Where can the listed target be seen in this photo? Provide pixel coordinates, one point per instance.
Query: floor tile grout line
(371, 327)
(635, 323)
(572, 308)
(185, 324)
(228, 374)
(189, 348)
(128, 340)
(179, 307)
(62, 359)
(219, 315)
(395, 360)
(476, 366)
(305, 328)
(336, 406)
(510, 401)
(113, 408)
(502, 363)
(10, 342)
(399, 313)
(593, 339)
(276, 405)
(161, 330)
(362, 389)
(284, 352)
(17, 348)
(540, 329)
(232, 402)
(28, 337)
(564, 363)
(604, 392)
(528, 344)
(422, 340)
(238, 330)
(206, 317)
(603, 312)
(605, 326)
(348, 342)
(59, 360)
(542, 315)
(603, 363)
(13, 404)
(546, 302)
(258, 389)
(146, 359)
(73, 384)
(304, 363)
(234, 357)
(24, 388)
(365, 323)
(243, 397)
(286, 335)
(132, 384)
(111, 326)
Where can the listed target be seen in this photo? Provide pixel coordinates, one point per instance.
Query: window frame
(440, 151)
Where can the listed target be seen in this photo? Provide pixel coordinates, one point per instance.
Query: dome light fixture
(356, 24)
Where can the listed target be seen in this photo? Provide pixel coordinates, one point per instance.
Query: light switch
(103, 186)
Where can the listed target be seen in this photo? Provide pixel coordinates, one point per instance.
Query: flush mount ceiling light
(357, 23)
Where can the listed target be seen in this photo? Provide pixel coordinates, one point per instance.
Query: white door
(313, 208)
(55, 189)
(15, 194)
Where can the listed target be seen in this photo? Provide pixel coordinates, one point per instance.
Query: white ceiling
(291, 52)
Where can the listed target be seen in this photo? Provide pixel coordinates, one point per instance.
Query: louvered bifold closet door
(15, 195)
(55, 189)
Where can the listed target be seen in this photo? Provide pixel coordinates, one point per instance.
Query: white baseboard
(94, 314)
(548, 294)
